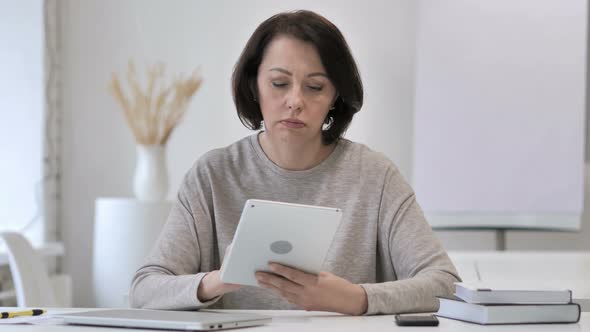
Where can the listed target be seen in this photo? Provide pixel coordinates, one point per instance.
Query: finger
(296, 276)
(279, 282)
(282, 293)
(231, 287)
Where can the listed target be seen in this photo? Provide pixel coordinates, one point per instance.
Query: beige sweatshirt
(383, 242)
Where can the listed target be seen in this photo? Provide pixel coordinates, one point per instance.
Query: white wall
(98, 152)
(21, 115)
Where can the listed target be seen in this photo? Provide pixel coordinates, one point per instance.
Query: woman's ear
(333, 104)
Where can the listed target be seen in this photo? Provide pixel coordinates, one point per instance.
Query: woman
(297, 76)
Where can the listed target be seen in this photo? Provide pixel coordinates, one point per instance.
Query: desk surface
(288, 320)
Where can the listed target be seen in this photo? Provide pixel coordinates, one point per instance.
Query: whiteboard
(500, 113)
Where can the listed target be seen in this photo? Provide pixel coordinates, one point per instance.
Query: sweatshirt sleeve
(420, 264)
(171, 275)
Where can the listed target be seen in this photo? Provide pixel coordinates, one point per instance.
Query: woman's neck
(294, 156)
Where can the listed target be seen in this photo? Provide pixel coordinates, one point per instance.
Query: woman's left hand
(324, 292)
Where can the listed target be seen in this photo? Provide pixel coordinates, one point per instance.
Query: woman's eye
(315, 87)
(279, 84)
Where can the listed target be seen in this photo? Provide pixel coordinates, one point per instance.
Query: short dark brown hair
(334, 54)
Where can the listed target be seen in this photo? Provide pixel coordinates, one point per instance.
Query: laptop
(164, 319)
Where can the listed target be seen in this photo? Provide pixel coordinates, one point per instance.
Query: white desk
(552, 269)
(291, 321)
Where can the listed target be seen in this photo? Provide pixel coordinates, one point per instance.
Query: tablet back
(291, 234)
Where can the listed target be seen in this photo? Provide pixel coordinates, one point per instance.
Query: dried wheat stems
(153, 114)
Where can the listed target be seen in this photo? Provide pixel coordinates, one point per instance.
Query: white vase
(150, 182)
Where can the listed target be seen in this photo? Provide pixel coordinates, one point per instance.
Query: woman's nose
(295, 99)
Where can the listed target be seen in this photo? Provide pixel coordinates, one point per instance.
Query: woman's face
(294, 91)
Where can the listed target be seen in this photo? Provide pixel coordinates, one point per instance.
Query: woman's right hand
(211, 285)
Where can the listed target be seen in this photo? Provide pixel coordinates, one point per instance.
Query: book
(480, 293)
(488, 314)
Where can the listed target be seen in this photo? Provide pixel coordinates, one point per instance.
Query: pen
(34, 312)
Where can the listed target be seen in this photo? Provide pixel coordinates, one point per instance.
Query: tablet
(291, 234)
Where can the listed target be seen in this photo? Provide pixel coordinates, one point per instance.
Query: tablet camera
(281, 247)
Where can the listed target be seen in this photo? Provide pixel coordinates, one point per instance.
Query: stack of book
(500, 305)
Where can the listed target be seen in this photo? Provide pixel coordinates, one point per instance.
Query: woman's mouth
(292, 123)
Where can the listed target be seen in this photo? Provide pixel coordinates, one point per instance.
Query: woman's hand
(211, 285)
(324, 292)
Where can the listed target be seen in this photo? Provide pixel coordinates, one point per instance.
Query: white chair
(32, 283)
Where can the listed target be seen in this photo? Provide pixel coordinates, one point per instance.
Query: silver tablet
(291, 234)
